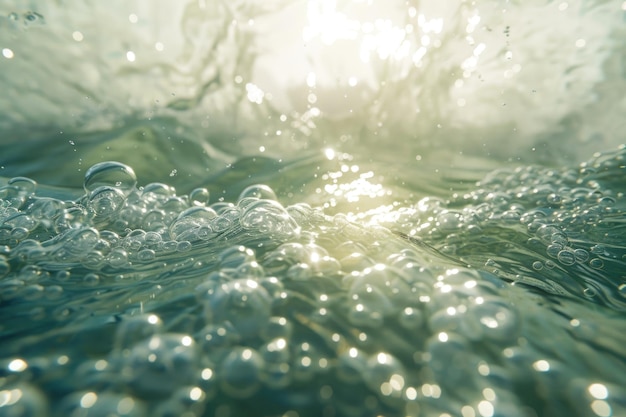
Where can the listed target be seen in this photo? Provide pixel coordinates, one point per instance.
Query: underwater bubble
(160, 364)
(275, 351)
(146, 255)
(118, 258)
(44, 208)
(105, 201)
(537, 265)
(199, 197)
(187, 401)
(183, 246)
(190, 220)
(268, 216)
(492, 320)
(259, 191)
(554, 249)
(590, 292)
(581, 255)
(218, 336)
(71, 218)
(235, 256)
(100, 404)
(242, 302)
(152, 238)
(240, 373)
(411, 318)
(157, 192)
(93, 259)
(384, 374)
(22, 400)
(80, 241)
(277, 328)
(351, 365)
(567, 257)
(596, 263)
(252, 270)
(110, 174)
(91, 278)
(135, 329)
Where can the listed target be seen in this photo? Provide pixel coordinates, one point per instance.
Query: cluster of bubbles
(140, 302)
(557, 230)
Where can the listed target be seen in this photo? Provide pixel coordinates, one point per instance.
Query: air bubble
(240, 373)
(567, 257)
(269, 217)
(260, 191)
(159, 365)
(110, 174)
(104, 202)
(596, 263)
(242, 302)
(135, 329)
(199, 197)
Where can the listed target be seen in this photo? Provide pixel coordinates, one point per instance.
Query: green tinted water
(349, 259)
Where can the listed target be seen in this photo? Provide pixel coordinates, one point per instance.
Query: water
(312, 209)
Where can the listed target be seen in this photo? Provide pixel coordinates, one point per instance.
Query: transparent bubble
(492, 320)
(277, 328)
(44, 208)
(218, 336)
(118, 258)
(71, 218)
(199, 197)
(146, 255)
(259, 191)
(385, 375)
(537, 265)
(22, 400)
(581, 255)
(110, 174)
(190, 221)
(100, 404)
(567, 257)
(135, 329)
(186, 401)
(242, 302)
(268, 216)
(240, 373)
(596, 263)
(411, 318)
(554, 249)
(351, 365)
(236, 256)
(105, 202)
(157, 192)
(161, 364)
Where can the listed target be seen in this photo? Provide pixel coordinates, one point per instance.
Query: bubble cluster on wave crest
(560, 230)
(141, 302)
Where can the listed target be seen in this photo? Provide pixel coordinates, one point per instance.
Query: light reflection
(542, 365)
(601, 408)
(598, 391)
(10, 397)
(88, 400)
(17, 365)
